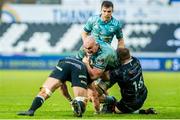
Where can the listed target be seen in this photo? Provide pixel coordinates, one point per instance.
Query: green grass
(18, 88)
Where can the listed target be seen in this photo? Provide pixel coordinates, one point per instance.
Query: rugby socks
(37, 102)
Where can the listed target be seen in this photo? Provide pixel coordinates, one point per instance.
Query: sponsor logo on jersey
(100, 61)
(111, 29)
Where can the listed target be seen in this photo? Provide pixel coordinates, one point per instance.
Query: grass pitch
(18, 88)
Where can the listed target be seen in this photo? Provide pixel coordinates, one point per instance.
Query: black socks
(37, 102)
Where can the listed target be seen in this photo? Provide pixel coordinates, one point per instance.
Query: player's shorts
(71, 69)
(129, 107)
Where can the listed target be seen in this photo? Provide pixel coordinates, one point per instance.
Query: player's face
(90, 49)
(106, 13)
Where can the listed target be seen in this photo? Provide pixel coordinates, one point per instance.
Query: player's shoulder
(94, 18)
(117, 22)
(135, 59)
(135, 63)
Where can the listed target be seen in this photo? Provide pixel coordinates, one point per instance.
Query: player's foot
(26, 113)
(76, 108)
(148, 111)
(97, 112)
(107, 108)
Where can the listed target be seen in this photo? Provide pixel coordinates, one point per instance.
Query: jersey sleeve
(81, 53)
(119, 33)
(116, 75)
(89, 24)
(101, 62)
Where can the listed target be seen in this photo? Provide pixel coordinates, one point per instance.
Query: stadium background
(34, 34)
(31, 34)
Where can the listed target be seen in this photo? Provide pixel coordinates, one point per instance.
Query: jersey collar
(104, 22)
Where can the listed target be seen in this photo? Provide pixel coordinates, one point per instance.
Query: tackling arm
(93, 96)
(94, 72)
(121, 43)
(84, 34)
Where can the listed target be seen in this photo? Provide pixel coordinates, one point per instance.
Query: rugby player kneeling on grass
(67, 69)
(130, 80)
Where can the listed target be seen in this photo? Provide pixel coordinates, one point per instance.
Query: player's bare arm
(84, 34)
(94, 72)
(93, 97)
(121, 43)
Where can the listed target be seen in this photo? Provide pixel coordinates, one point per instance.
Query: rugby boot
(26, 113)
(76, 108)
(147, 111)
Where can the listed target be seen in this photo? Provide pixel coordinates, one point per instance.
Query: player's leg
(108, 102)
(108, 105)
(49, 86)
(134, 107)
(147, 111)
(142, 99)
(123, 107)
(80, 100)
(93, 97)
(79, 84)
(126, 106)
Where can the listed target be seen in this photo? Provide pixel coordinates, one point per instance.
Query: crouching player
(129, 78)
(70, 69)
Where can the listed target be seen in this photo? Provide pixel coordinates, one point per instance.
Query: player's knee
(110, 99)
(45, 92)
(81, 98)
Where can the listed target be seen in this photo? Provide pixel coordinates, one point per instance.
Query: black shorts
(129, 107)
(71, 70)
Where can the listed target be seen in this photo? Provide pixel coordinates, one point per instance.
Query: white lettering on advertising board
(79, 14)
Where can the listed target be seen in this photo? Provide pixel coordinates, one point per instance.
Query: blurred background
(34, 34)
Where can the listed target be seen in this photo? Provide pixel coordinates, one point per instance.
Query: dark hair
(107, 4)
(123, 54)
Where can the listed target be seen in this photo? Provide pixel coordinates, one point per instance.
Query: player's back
(131, 81)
